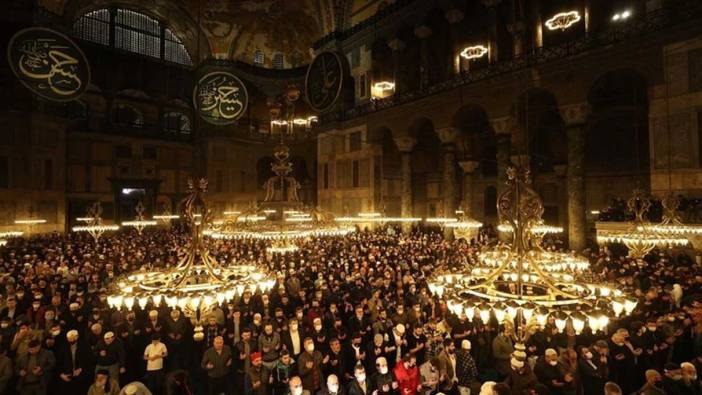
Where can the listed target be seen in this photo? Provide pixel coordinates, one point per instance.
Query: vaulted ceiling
(235, 29)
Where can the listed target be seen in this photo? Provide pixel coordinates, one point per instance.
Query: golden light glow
(359, 219)
(139, 223)
(89, 228)
(621, 16)
(5, 235)
(474, 52)
(382, 89)
(563, 20)
(30, 221)
(522, 284)
(539, 228)
(166, 216)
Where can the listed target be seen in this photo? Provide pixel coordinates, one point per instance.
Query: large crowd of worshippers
(349, 315)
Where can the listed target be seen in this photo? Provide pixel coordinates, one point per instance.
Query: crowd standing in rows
(349, 315)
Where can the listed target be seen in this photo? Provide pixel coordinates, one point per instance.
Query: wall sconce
(563, 20)
(474, 52)
(382, 89)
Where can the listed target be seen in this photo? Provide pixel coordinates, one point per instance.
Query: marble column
(453, 17)
(517, 30)
(423, 32)
(503, 132)
(448, 139)
(491, 5)
(468, 167)
(397, 45)
(575, 117)
(405, 146)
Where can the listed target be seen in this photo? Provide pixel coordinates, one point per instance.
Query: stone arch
(388, 180)
(426, 168)
(540, 130)
(381, 61)
(177, 18)
(476, 141)
(617, 137)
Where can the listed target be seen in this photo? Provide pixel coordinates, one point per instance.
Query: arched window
(259, 58)
(176, 122)
(128, 115)
(133, 32)
(278, 61)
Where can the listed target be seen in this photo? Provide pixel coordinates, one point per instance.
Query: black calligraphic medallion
(325, 77)
(220, 98)
(49, 64)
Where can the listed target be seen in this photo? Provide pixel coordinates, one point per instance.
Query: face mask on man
(383, 369)
(333, 388)
(553, 363)
(361, 377)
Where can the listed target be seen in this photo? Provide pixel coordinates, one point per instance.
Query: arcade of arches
(592, 121)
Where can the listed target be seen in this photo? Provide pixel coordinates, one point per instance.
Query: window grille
(133, 32)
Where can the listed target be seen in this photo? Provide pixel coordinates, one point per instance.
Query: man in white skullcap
(466, 370)
(110, 355)
(74, 365)
(400, 343)
(551, 374)
(135, 388)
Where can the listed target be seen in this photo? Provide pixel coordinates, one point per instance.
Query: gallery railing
(683, 11)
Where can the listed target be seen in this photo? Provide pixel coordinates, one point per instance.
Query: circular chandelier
(198, 281)
(525, 284)
(641, 237)
(374, 217)
(671, 224)
(281, 218)
(139, 222)
(463, 226)
(94, 225)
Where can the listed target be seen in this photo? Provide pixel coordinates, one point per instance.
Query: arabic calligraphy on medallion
(220, 98)
(324, 80)
(49, 64)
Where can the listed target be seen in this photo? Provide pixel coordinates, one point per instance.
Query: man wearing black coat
(75, 365)
(592, 374)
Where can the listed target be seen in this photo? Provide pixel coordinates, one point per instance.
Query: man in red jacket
(407, 375)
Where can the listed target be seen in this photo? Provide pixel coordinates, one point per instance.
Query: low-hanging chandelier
(198, 281)
(671, 223)
(641, 237)
(523, 284)
(281, 218)
(93, 223)
(139, 222)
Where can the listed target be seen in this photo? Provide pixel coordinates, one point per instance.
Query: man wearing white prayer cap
(135, 388)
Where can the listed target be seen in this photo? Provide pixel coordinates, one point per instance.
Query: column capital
(447, 135)
(396, 44)
(575, 114)
(491, 3)
(454, 15)
(502, 125)
(469, 166)
(422, 31)
(405, 143)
